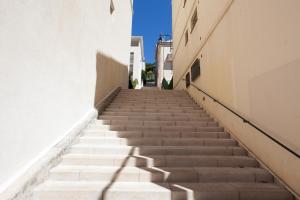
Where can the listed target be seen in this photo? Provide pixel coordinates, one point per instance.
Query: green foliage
(165, 84)
(150, 76)
(130, 86)
(134, 83)
(150, 72)
(150, 67)
(144, 76)
(171, 84)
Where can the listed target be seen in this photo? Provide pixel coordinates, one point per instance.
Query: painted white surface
(164, 67)
(48, 70)
(138, 62)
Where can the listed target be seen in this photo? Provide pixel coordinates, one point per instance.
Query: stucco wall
(251, 62)
(138, 65)
(49, 53)
(161, 60)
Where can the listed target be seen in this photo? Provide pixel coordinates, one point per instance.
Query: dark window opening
(112, 7)
(131, 62)
(195, 70)
(187, 80)
(186, 37)
(194, 20)
(184, 2)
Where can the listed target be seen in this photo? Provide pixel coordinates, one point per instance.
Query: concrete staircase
(157, 145)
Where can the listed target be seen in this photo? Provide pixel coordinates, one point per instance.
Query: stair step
(150, 134)
(82, 190)
(135, 110)
(153, 118)
(204, 127)
(153, 104)
(158, 129)
(159, 160)
(161, 114)
(157, 106)
(157, 145)
(157, 102)
(164, 174)
(155, 123)
(156, 141)
(156, 150)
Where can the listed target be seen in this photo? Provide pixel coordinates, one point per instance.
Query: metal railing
(247, 121)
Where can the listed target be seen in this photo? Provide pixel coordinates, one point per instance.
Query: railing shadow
(116, 175)
(150, 164)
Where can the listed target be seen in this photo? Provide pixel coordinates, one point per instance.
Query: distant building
(164, 63)
(137, 60)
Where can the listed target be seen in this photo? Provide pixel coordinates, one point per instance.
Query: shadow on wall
(110, 75)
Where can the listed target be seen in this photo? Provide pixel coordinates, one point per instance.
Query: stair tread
(105, 169)
(146, 186)
(86, 145)
(73, 155)
(158, 145)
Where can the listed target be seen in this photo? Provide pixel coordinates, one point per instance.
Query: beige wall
(251, 62)
(53, 53)
(110, 74)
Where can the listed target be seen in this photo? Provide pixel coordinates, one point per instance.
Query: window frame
(131, 62)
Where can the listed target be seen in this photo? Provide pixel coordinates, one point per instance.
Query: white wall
(138, 64)
(162, 54)
(48, 70)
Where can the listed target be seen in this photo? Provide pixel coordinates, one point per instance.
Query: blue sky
(150, 18)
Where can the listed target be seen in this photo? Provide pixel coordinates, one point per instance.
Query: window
(184, 2)
(186, 37)
(195, 70)
(187, 80)
(112, 7)
(194, 20)
(131, 62)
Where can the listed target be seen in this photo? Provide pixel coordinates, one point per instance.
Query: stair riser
(129, 135)
(193, 111)
(159, 176)
(161, 114)
(129, 127)
(195, 159)
(162, 162)
(154, 123)
(167, 195)
(155, 107)
(155, 129)
(159, 151)
(158, 142)
(155, 118)
(158, 103)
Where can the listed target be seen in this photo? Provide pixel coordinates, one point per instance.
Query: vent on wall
(195, 70)
(112, 7)
(187, 80)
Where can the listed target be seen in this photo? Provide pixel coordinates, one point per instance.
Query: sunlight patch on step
(189, 194)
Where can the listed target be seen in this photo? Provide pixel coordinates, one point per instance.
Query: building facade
(57, 61)
(137, 60)
(247, 56)
(164, 63)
